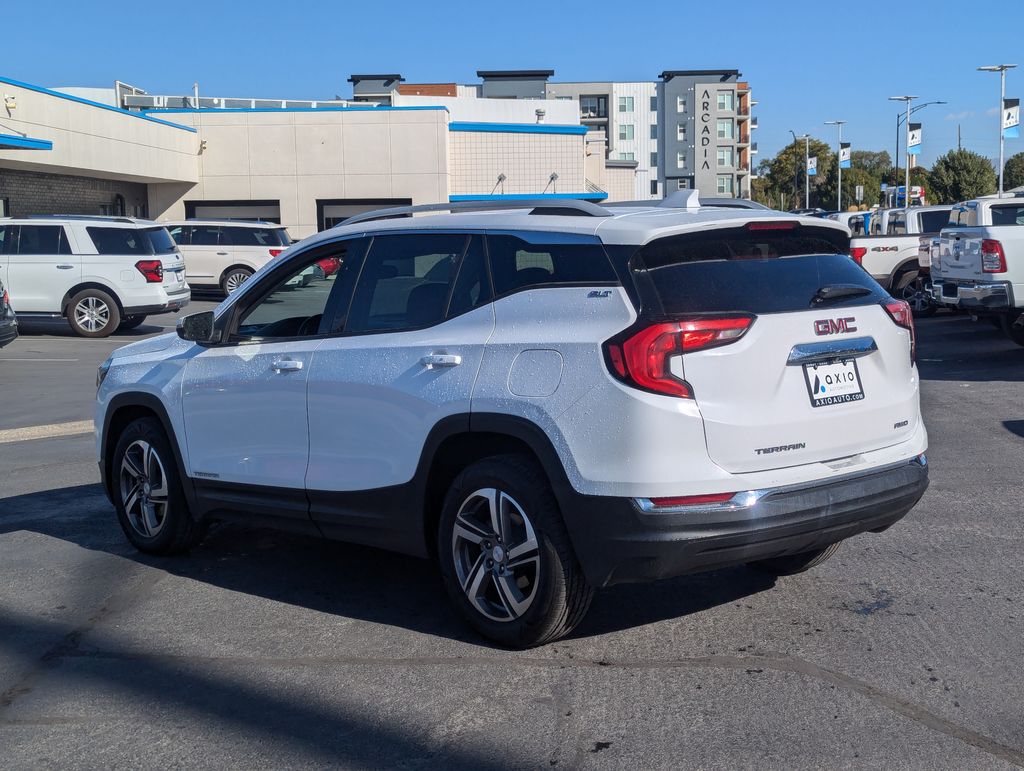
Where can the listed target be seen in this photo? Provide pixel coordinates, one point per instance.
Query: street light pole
(906, 184)
(839, 163)
(899, 122)
(1001, 69)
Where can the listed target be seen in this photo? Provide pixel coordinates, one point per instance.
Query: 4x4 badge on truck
(835, 326)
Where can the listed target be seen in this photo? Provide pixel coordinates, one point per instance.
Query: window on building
(654, 104)
(625, 104)
(682, 184)
(627, 157)
(680, 104)
(681, 160)
(724, 184)
(725, 156)
(654, 160)
(654, 187)
(654, 131)
(626, 131)
(593, 107)
(726, 100)
(681, 132)
(725, 128)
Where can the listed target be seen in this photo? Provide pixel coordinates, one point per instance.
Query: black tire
(171, 528)
(132, 322)
(1013, 326)
(910, 287)
(93, 313)
(233, 278)
(558, 594)
(794, 563)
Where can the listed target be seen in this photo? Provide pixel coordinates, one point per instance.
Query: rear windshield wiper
(833, 292)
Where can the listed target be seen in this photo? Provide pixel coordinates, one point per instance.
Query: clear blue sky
(807, 62)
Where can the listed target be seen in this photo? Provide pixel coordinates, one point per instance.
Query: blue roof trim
(13, 141)
(529, 197)
(216, 110)
(80, 100)
(517, 128)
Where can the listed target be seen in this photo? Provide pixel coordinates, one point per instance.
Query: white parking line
(38, 359)
(28, 433)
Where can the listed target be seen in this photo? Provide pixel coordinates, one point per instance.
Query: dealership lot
(903, 649)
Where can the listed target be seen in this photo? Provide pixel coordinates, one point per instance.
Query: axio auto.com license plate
(833, 383)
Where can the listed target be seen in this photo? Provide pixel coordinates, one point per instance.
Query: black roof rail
(105, 217)
(565, 207)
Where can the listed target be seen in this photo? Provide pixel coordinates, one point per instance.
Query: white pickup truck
(979, 265)
(890, 251)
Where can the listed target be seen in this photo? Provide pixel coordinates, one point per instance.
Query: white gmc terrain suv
(546, 398)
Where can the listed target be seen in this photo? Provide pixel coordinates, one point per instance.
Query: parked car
(854, 220)
(546, 398)
(891, 254)
(979, 266)
(100, 273)
(8, 321)
(221, 254)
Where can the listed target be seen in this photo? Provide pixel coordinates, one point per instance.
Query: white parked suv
(546, 399)
(100, 273)
(221, 254)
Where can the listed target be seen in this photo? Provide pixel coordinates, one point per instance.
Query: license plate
(833, 383)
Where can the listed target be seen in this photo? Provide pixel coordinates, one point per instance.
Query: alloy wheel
(915, 296)
(235, 279)
(92, 314)
(496, 554)
(143, 485)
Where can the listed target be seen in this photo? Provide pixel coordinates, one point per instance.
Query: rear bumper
(986, 295)
(618, 542)
(175, 302)
(8, 329)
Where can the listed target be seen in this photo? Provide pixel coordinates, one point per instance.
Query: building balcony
(753, 148)
(753, 123)
(743, 139)
(743, 87)
(593, 116)
(743, 111)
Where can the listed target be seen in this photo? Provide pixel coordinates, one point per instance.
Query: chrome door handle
(286, 365)
(432, 360)
(222, 254)
(65, 267)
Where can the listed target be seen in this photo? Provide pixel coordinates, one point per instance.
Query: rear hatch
(959, 256)
(164, 249)
(818, 368)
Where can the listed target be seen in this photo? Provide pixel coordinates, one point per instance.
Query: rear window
(255, 236)
(964, 216)
(1008, 215)
(933, 221)
(131, 241)
(748, 271)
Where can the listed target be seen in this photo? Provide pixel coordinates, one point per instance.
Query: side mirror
(199, 328)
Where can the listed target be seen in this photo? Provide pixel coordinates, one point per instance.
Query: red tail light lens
(857, 254)
(275, 252)
(901, 314)
(783, 225)
(7, 299)
(644, 359)
(152, 270)
(993, 258)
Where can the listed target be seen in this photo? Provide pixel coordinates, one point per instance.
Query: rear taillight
(275, 252)
(152, 270)
(644, 359)
(781, 225)
(6, 300)
(993, 258)
(857, 254)
(692, 500)
(901, 314)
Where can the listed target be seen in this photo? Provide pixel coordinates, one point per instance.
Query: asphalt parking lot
(262, 649)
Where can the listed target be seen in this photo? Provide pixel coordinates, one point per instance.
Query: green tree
(784, 176)
(877, 164)
(1013, 172)
(851, 178)
(960, 175)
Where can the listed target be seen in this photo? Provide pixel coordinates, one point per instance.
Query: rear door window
(237, 236)
(42, 240)
(520, 264)
(182, 234)
(739, 270)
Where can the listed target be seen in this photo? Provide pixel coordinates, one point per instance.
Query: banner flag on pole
(844, 155)
(914, 139)
(812, 166)
(1011, 118)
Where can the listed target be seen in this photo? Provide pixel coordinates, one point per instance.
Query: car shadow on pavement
(60, 328)
(348, 580)
(954, 348)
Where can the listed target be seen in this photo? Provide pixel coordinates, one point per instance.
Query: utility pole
(839, 168)
(959, 145)
(1001, 69)
(906, 184)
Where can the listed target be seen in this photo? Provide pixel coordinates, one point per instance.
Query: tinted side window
(933, 221)
(517, 264)
(4, 230)
(205, 235)
(472, 286)
(182, 234)
(405, 282)
(1008, 215)
(252, 237)
(40, 239)
(120, 241)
